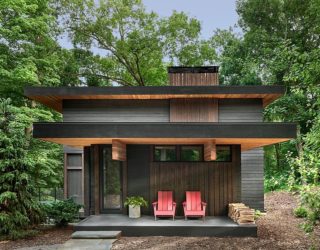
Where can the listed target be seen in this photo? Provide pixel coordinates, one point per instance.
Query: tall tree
(18, 208)
(283, 37)
(135, 46)
(28, 50)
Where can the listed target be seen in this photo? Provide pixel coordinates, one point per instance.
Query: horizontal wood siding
(252, 192)
(116, 111)
(240, 110)
(252, 178)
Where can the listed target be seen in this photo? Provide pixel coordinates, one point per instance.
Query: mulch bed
(47, 236)
(278, 229)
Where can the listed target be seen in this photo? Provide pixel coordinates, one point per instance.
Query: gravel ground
(278, 229)
(48, 239)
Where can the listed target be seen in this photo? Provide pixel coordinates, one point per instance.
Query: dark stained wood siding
(138, 159)
(193, 79)
(219, 182)
(193, 110)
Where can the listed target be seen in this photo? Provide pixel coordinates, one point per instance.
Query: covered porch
(120, 160)
(220, 226)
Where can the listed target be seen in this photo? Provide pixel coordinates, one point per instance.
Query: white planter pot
(134, 212)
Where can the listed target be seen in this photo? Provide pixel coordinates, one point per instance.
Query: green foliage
(26, 165)
(310, 200)
(62, 212)
(28, 50)
(275, 181)
(283, 50)
(300, 212)
(135, 45)
(18, 208)
(257, 214)
(136, 201)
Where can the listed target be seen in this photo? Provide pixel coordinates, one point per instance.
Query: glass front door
(111, 182)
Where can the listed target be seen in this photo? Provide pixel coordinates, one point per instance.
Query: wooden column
(96, 170)
(210, 151)
(119, 150)
(86, 180)
(65, 178)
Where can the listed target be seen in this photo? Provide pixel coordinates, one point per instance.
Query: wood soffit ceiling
(246, 143)
(53, 97)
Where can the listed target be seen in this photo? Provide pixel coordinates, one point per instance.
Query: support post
(210, 151)
(119, 150)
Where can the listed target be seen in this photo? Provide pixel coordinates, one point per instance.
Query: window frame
(167, 145)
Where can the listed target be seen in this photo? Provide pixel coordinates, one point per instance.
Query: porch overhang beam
(249, 135)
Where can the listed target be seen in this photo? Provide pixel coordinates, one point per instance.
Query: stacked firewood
(241, 213)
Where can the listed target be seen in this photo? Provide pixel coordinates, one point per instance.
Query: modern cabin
(191, 135)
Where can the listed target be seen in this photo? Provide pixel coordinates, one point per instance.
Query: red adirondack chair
(165, 206)
(193, 206)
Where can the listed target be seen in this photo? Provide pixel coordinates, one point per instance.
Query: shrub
(310, 199)
(300, 212)
(275, 181)
(257, 214)
(62, 212)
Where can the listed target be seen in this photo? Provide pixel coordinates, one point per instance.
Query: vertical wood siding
(218, 182)
(249, 110)
(193, 110)
(193, 79)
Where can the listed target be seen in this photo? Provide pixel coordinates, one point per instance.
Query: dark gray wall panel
(240, 110)
(138, 160)
(252, 178)
(250, 110)
(116, 111)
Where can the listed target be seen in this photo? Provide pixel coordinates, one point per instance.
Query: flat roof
(53, 96)
(201, 69)
(249, 135)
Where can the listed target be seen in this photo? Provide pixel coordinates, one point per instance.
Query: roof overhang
(248, 135)
(53, 96)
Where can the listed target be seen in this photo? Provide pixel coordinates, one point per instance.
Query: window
(224, 153)
(191, 153)
(165, 153)
(186, 153)
(74, 160)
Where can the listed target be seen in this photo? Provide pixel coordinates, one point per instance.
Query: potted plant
(135, 203)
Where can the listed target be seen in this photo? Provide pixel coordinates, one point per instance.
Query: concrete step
(88, 244)
(96, 235)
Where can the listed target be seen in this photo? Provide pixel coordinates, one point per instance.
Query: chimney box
(193, 76)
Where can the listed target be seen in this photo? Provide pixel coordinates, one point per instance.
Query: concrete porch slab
(220, 226)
